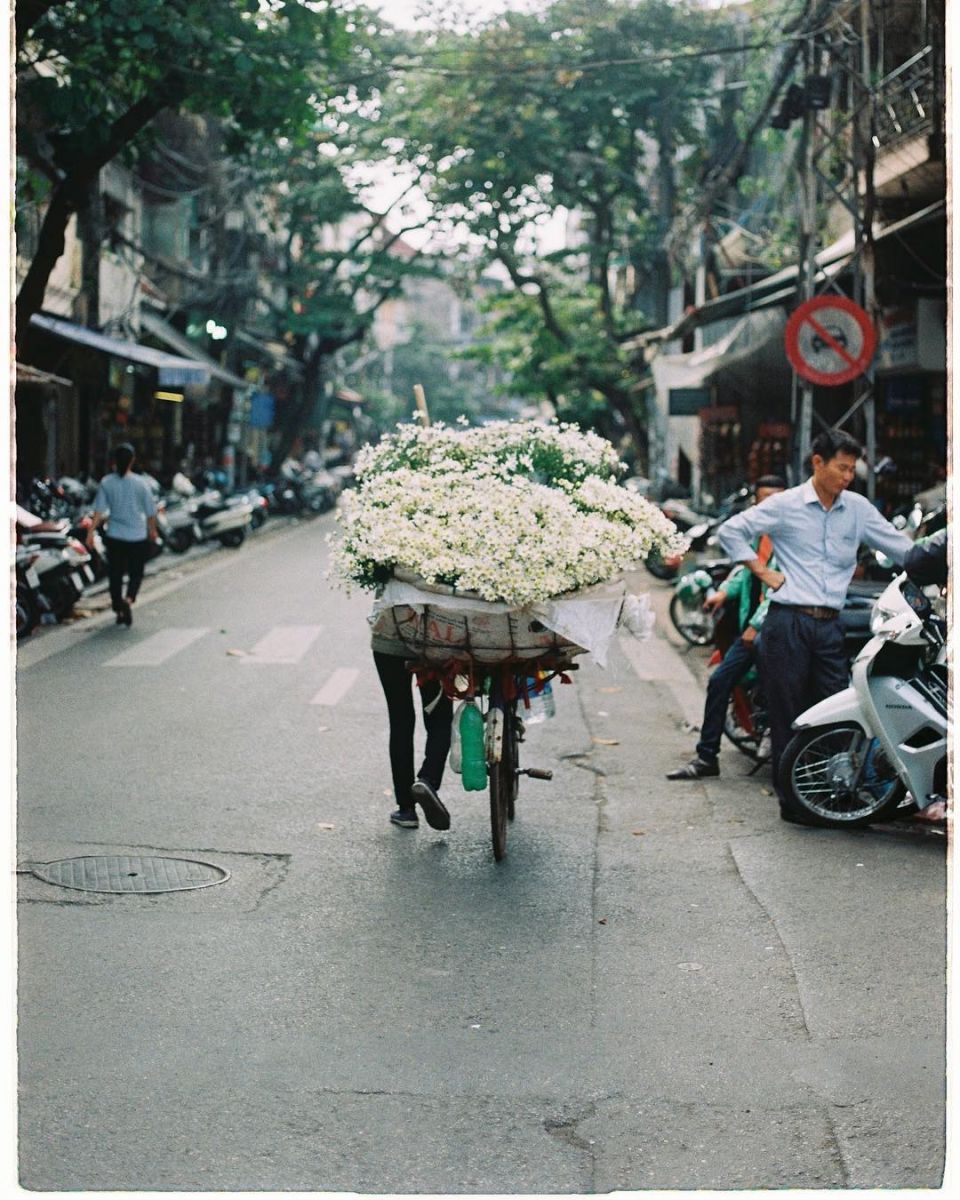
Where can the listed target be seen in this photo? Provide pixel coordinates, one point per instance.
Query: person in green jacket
(743, 589)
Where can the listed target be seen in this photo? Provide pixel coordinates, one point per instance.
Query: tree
(576, 109)
(93, 74)
(342, 261)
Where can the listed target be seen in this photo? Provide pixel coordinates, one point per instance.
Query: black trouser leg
(137, 561)
(117, 562)
(802, 661)
(397, 683)
(735, 664)
(437, 717)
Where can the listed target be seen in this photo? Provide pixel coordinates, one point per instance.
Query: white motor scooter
(858, 752)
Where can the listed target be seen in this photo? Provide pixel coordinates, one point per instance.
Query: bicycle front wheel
(502, 770)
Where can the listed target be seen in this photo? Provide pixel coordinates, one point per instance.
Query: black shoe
(696, 768)
(423, 794)
(126, 615)
(406, 818)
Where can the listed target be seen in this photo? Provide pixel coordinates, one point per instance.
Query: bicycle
(745, 722)
(503, 687)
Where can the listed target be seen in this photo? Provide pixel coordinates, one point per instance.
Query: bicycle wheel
(501, 768)
(745, 722)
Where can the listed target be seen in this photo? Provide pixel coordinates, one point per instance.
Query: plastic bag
(638, 617)
(456, 755)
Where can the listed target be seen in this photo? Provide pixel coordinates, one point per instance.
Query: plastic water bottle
(473, 763)
(455, 760)
(543, 704)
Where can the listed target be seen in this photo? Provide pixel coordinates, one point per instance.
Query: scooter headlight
(880, 616)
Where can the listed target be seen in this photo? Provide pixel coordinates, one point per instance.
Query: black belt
(811, 610)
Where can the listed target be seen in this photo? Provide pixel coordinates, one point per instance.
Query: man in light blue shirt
(125, 502)
(817, 530)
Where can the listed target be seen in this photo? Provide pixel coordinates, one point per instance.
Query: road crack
(769, 917)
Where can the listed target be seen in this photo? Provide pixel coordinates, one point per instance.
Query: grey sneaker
(433, 809)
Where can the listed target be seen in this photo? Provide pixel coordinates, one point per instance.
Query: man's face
(764, 493)
(834, 475)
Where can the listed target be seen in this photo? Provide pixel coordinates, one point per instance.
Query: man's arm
(879, 534)
(736, 534)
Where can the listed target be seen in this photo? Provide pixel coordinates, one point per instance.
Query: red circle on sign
(830, 340)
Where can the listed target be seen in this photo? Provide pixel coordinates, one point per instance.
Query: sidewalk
(781, 962)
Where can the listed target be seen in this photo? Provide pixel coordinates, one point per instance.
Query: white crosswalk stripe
(157, 648)
(284, 644)
(336, 687)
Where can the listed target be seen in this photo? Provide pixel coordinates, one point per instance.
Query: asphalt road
(661, 987)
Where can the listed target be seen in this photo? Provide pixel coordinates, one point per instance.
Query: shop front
(126, 392)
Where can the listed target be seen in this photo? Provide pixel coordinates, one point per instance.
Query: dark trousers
(125, 558)
(726, 675)
(802, 661)
(398, 684)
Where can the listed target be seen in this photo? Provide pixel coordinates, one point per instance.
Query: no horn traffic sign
(830, 340)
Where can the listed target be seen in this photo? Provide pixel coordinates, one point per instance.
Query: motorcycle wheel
(179, 540)
(257, 519)
(690, 621)
(232, 538)
(27, 614)
(659, 569)
(63, 598)
(817, 770)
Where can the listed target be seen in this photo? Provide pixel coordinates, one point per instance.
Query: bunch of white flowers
(516, 512)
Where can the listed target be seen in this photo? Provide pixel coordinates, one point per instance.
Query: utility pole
(836, 164)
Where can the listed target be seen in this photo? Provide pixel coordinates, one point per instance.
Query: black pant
(802, 661)
(125, 558)
(397, 683)
(735, 664)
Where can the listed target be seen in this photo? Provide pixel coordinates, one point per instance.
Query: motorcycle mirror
(916, 599)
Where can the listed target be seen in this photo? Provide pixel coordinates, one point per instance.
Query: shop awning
(771, 292)
(28, 374)
(750, 354)
(165, 332)
(171, 371)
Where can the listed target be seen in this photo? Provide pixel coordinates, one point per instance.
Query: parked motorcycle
(60, 569)
(856, 753)
(29, 604)
(214, 518)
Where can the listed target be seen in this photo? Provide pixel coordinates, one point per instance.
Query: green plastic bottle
(473, 762)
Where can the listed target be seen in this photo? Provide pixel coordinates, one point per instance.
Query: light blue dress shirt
(816, 547)
(129, 501)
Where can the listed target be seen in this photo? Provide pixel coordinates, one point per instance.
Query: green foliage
(88, 62)
(538, 113)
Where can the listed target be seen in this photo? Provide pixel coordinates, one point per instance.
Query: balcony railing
(906, 101)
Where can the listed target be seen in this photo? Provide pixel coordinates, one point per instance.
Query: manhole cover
(129, 873)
